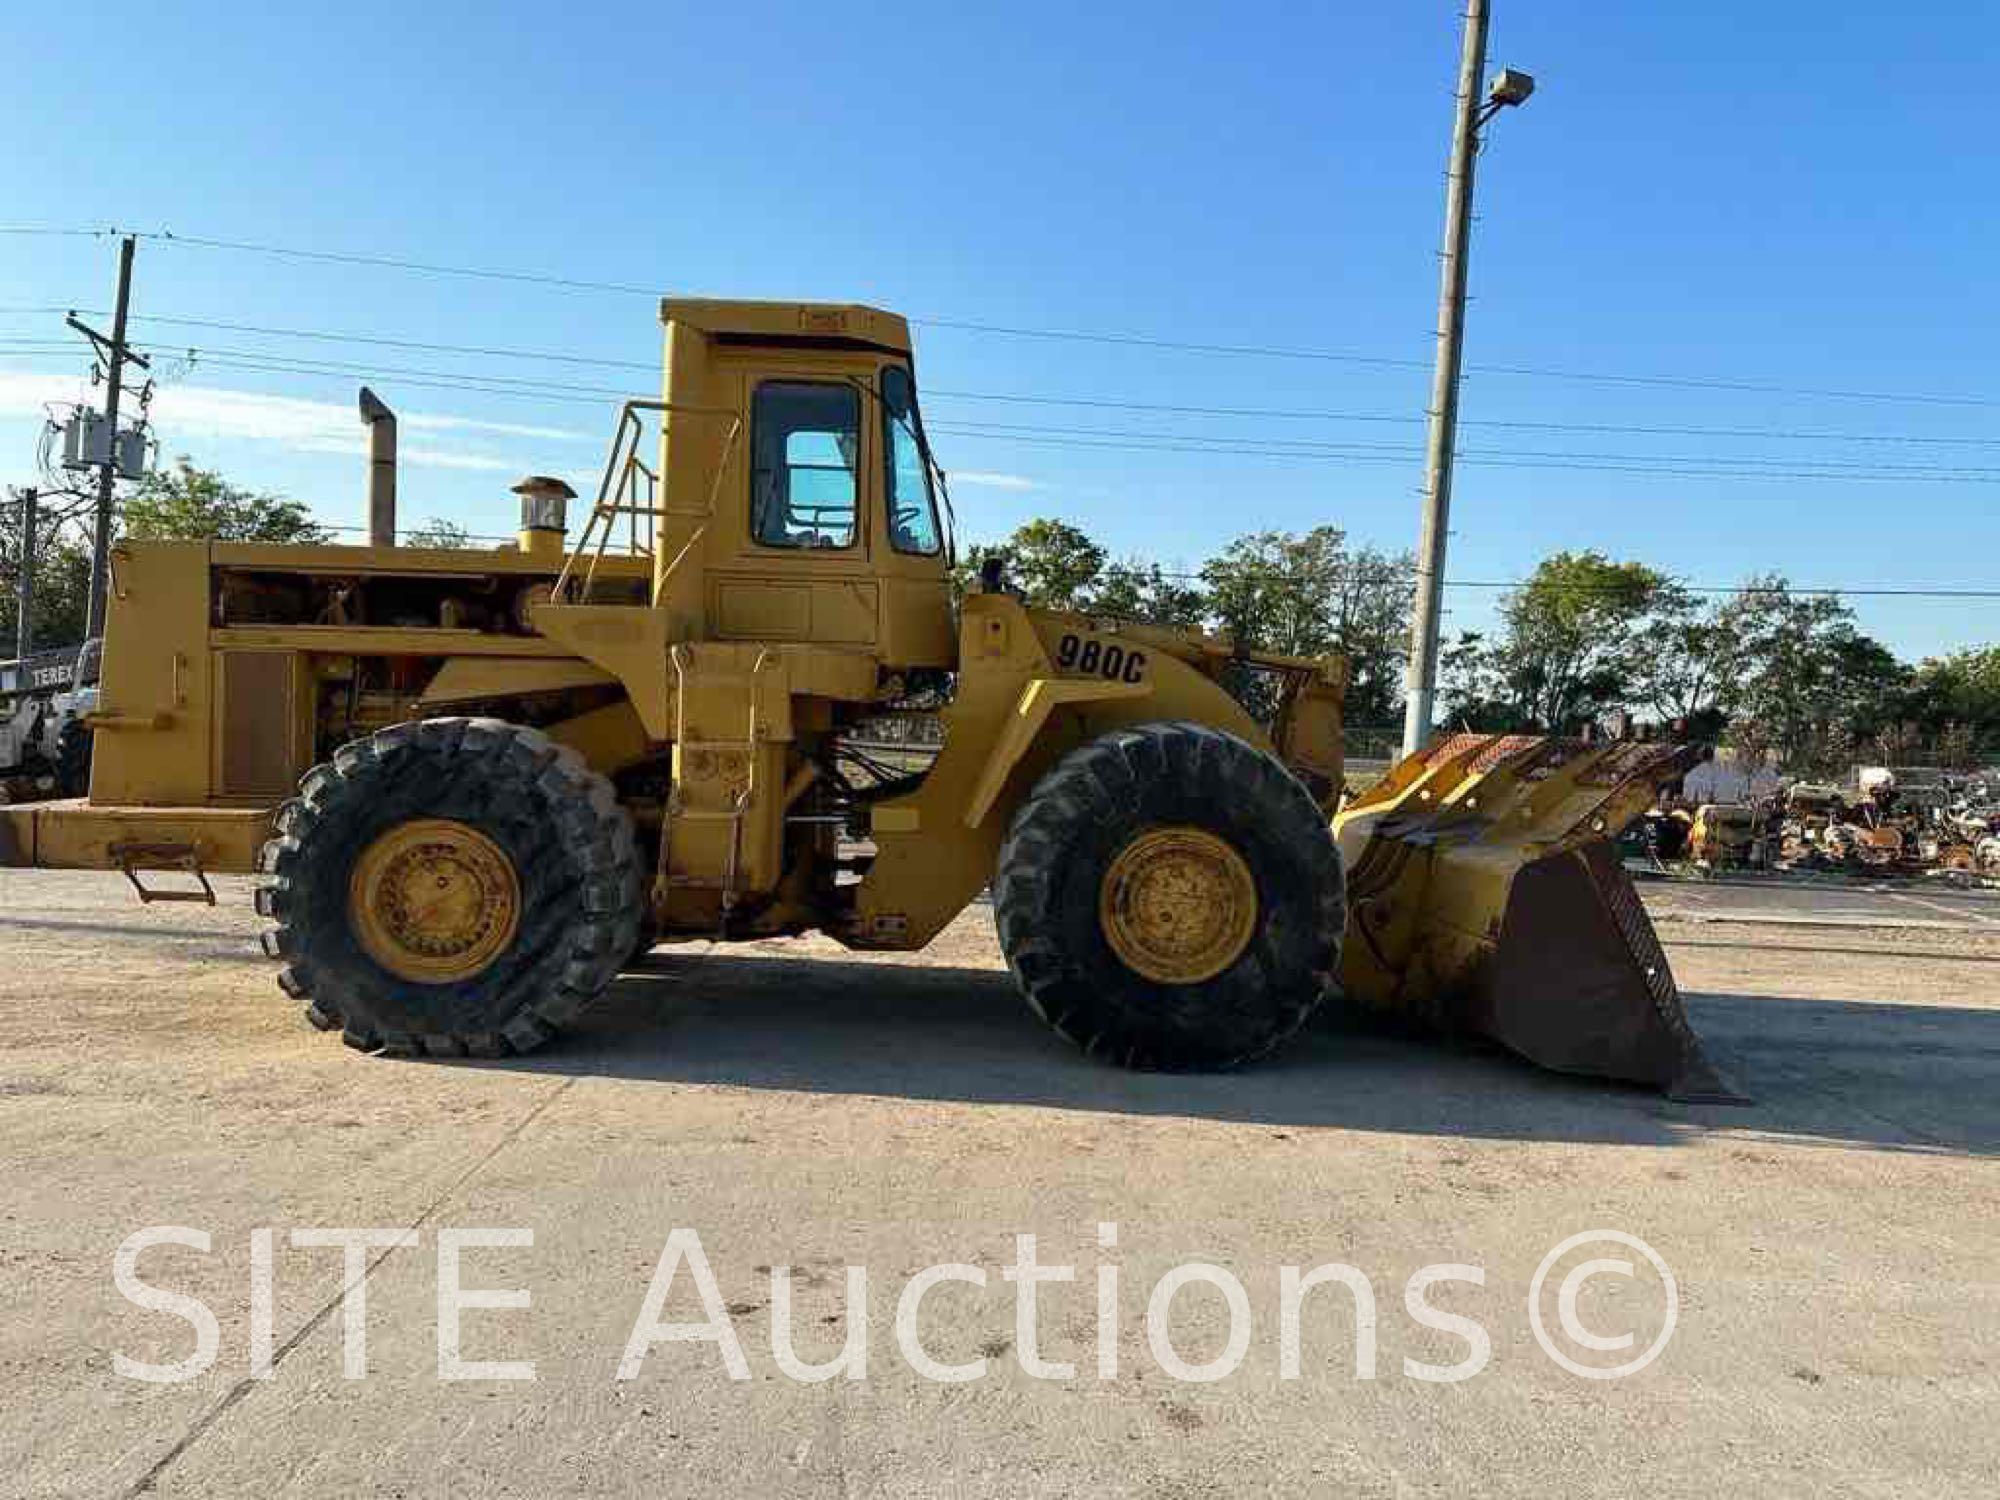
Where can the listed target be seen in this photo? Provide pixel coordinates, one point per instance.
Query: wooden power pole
(1474, 110)
(116, 353)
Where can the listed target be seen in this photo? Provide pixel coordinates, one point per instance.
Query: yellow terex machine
(480, 782)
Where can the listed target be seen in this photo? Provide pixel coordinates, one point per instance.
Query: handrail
(621, 464)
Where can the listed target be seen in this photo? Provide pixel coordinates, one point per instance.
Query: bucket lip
(1701, 1083)
(1609, 1006)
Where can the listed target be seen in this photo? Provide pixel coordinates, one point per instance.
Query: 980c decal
(1094, 658)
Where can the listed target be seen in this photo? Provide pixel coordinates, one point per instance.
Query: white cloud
(422, 457)
(431, 422)
(181, 413)
(25, 395)
(983, 480)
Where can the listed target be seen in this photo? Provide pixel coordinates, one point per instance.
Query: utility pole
(116, 353)
(24, 582)
(1509, 88)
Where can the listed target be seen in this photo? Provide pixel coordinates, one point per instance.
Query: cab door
(803, 567)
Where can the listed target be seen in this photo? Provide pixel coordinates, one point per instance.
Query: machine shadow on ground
(1890, 1077)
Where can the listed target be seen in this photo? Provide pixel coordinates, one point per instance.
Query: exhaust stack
(381, 469)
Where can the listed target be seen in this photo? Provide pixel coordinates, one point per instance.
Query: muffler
(381, 469)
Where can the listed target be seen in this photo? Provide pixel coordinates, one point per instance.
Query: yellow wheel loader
(743, 703)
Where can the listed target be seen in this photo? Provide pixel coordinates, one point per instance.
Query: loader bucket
(1484, 895)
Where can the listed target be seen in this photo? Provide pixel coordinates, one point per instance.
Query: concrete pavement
(1834, 1246)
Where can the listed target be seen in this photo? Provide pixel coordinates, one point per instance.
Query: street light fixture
(1510, 86)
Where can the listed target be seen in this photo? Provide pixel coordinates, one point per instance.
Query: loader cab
(799, 490)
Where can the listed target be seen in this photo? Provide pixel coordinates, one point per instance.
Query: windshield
(913, 523)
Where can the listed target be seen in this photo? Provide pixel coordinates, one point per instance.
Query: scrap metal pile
(1911, 822)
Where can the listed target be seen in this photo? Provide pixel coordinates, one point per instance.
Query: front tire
(455, 886)
(1170, 897)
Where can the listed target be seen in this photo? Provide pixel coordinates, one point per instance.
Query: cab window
(913, 523)
(805, 437)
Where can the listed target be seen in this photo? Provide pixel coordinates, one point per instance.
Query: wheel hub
(1178, 905)
(434, 901)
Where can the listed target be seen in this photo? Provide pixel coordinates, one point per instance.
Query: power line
(1692, 469)
(1247, 446)
(1836, 592)
(1515, 584)
(393, 263)
(378, 341)
(1691, 382)
(1257, 445)
(497, 385)
(1145, 341)
(1284, 414)
(1220, 445)
(1241, 445)
(470, 536)
(1273, 413)
(1315, 445)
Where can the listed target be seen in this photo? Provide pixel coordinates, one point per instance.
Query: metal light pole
(1509, 88)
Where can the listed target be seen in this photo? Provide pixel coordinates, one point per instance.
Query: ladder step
(135, 859)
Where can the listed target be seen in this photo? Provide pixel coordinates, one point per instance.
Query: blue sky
(1788, 196)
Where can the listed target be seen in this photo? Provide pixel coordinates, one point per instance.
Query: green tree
(436, 532)
(1799, 680)
(1681, 661)
(1275, 590)
(1896, 744)
(1568, 648)
(1958, 747)
(1961, 690)
(1052, 563)
(1474, 688)
(1139, 590)
(185, 503)
(1372, 609)
(62, 586)
(1873, 684)
(1309, 594)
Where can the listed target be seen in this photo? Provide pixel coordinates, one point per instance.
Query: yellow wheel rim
(1178, 905)
(434, 901)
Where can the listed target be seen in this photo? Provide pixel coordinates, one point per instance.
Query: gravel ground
(1834, 1245)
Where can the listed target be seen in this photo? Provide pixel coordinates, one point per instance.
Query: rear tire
(1234, 820)
(526, 823)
